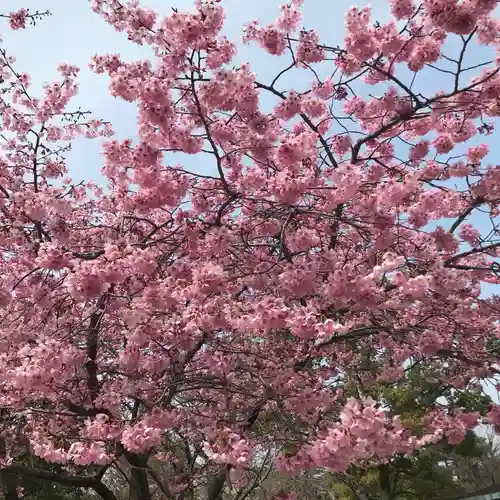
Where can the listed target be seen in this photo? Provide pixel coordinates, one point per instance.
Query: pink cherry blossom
(162, 315)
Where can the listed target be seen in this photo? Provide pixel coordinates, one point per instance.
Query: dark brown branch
(88, 256)
(163, 487)
(461, 58)
(92, 348)
(209, 137)
(486, 248)
(61, 478)
(466, 213)
(355, 334)
(215, 488)
(139, 484)
(103, 491)
(223, 207)
(413, 114)
(306, 119)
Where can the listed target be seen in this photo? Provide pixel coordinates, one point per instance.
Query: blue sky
(74, 34)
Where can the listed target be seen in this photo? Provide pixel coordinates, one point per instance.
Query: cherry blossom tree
(194, 330)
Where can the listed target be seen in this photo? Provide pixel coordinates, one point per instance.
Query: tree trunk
(215, 488)
(104, 492)
(139, 484)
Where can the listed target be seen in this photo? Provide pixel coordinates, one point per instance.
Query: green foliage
(473, 401)
(430, 473)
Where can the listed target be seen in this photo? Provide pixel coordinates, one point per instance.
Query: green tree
(432, 472)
